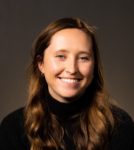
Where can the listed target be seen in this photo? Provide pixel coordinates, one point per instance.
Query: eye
(84, 58)
(60, 56)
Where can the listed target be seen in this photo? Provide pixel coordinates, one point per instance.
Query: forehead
(71, 38)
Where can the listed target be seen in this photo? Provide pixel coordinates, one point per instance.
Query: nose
(71, 66)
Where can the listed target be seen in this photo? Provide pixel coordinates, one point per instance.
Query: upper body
(74, 113)
(13, 135)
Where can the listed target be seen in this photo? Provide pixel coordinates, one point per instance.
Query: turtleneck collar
(67, 110)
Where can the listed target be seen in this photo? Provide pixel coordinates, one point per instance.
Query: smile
(68, 80)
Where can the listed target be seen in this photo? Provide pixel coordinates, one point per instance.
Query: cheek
(51, 67)
(88, 70)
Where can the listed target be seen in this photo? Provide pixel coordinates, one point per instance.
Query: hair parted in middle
(94, 122)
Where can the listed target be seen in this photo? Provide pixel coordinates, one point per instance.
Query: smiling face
(68, 64)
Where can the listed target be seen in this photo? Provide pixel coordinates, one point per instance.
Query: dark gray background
(21, 20)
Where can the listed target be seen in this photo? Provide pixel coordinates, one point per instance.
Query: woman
(68, 107)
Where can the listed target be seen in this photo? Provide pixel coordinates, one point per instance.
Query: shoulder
(13, 118)
(12, 131)
(13, 123)
(122, 118)
(123, 133)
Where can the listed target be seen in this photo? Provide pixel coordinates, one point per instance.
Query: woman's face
(68, 64)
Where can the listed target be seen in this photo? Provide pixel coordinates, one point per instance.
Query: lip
(70, 81)
(70, 78)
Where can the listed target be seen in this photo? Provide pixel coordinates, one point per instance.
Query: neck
(67, 110)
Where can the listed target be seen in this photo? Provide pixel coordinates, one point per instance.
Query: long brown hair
(43, 129)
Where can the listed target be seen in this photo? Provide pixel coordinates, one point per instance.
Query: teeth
(69, 80)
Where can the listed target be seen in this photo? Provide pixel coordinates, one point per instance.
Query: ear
(41, 67)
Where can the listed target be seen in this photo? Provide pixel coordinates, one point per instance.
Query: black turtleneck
(68, 115)
(13, 136)
(67, 110)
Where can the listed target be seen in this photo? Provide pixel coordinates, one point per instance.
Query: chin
(71, 96)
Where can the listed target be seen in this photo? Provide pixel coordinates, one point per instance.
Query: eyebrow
(61, 50)
(85, 52)
(80, 52)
